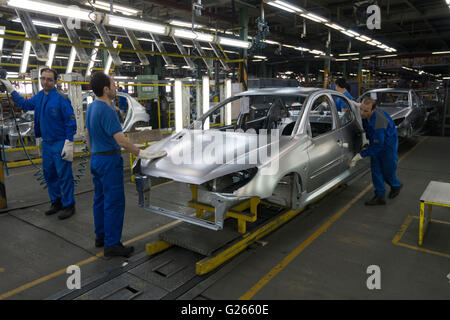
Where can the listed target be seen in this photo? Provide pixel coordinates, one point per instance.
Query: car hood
(397, 113)
(196, 156)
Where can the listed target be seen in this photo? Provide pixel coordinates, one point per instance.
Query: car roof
(388, 90)
(290, 91)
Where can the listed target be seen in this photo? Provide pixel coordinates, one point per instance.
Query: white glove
(151, 155)
(67, 151)
(7, 85)
(355, 160)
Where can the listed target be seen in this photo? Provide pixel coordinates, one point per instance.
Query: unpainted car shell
(136, 113)
(413, 116)
(315, 164)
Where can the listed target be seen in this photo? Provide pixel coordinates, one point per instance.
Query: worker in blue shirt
(342, 87)
(105, 139)
(383, 147)
(54, 121)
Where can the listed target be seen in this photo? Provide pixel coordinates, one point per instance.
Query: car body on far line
(404, 106)
(309, 146)
(134, 117)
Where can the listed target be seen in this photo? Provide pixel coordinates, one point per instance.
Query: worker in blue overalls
(383, 147)
(54, 121)
(342, 87)
(105, 139)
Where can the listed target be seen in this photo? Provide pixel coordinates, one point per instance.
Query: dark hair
(99, 80)
(341, 83)
(371, 101)
(55, 74)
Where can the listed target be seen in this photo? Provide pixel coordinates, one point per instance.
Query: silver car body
(136, 115)
(409, 114)
(307, 166)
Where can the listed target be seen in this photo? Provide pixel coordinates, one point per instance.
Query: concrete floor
(323, 253)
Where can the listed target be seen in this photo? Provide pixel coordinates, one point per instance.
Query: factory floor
(327, 252)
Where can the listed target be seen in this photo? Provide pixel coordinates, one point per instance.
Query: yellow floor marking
(2, 269)
(81, 263)
(404, 227)
(291, 256)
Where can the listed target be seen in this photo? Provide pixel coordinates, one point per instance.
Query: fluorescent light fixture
(356, 34)
(274, 4)
(188, 34)
(442, 52)
(51, 50)
(179, 23)
(228, 106)
(302, 49)
(366, 58)
(134, 24)
(288, 46)
(109, 61)
(205, 96)
(348, 34)
(256, 60)
(377, 42)
(271, 42)
(335, 26)
(372, 43)
(116, 8)
(446, 78)
(41, 23)
(260, 57)
(145, 39)
(288, 5)
(340, 60)
(361, 39)
(70, 63)
(349, 54)
(178, 96)
(50, 8)
(314, 17)
(317, 52)
(387, 56)
(185, 67)
(25, 57)
(233, 42)
(92, 59)
(365, 38)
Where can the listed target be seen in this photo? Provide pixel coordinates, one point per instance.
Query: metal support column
(243, 66)
(326, 70)
(75, 96)
(306, 73)
(359, 75)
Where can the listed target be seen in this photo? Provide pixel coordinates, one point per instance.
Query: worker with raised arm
(54, 121)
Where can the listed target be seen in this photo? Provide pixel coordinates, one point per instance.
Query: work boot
(99, 243)
(395, 191)
(66, 212)
(118, 251)
(376, 201)
(54, 208)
